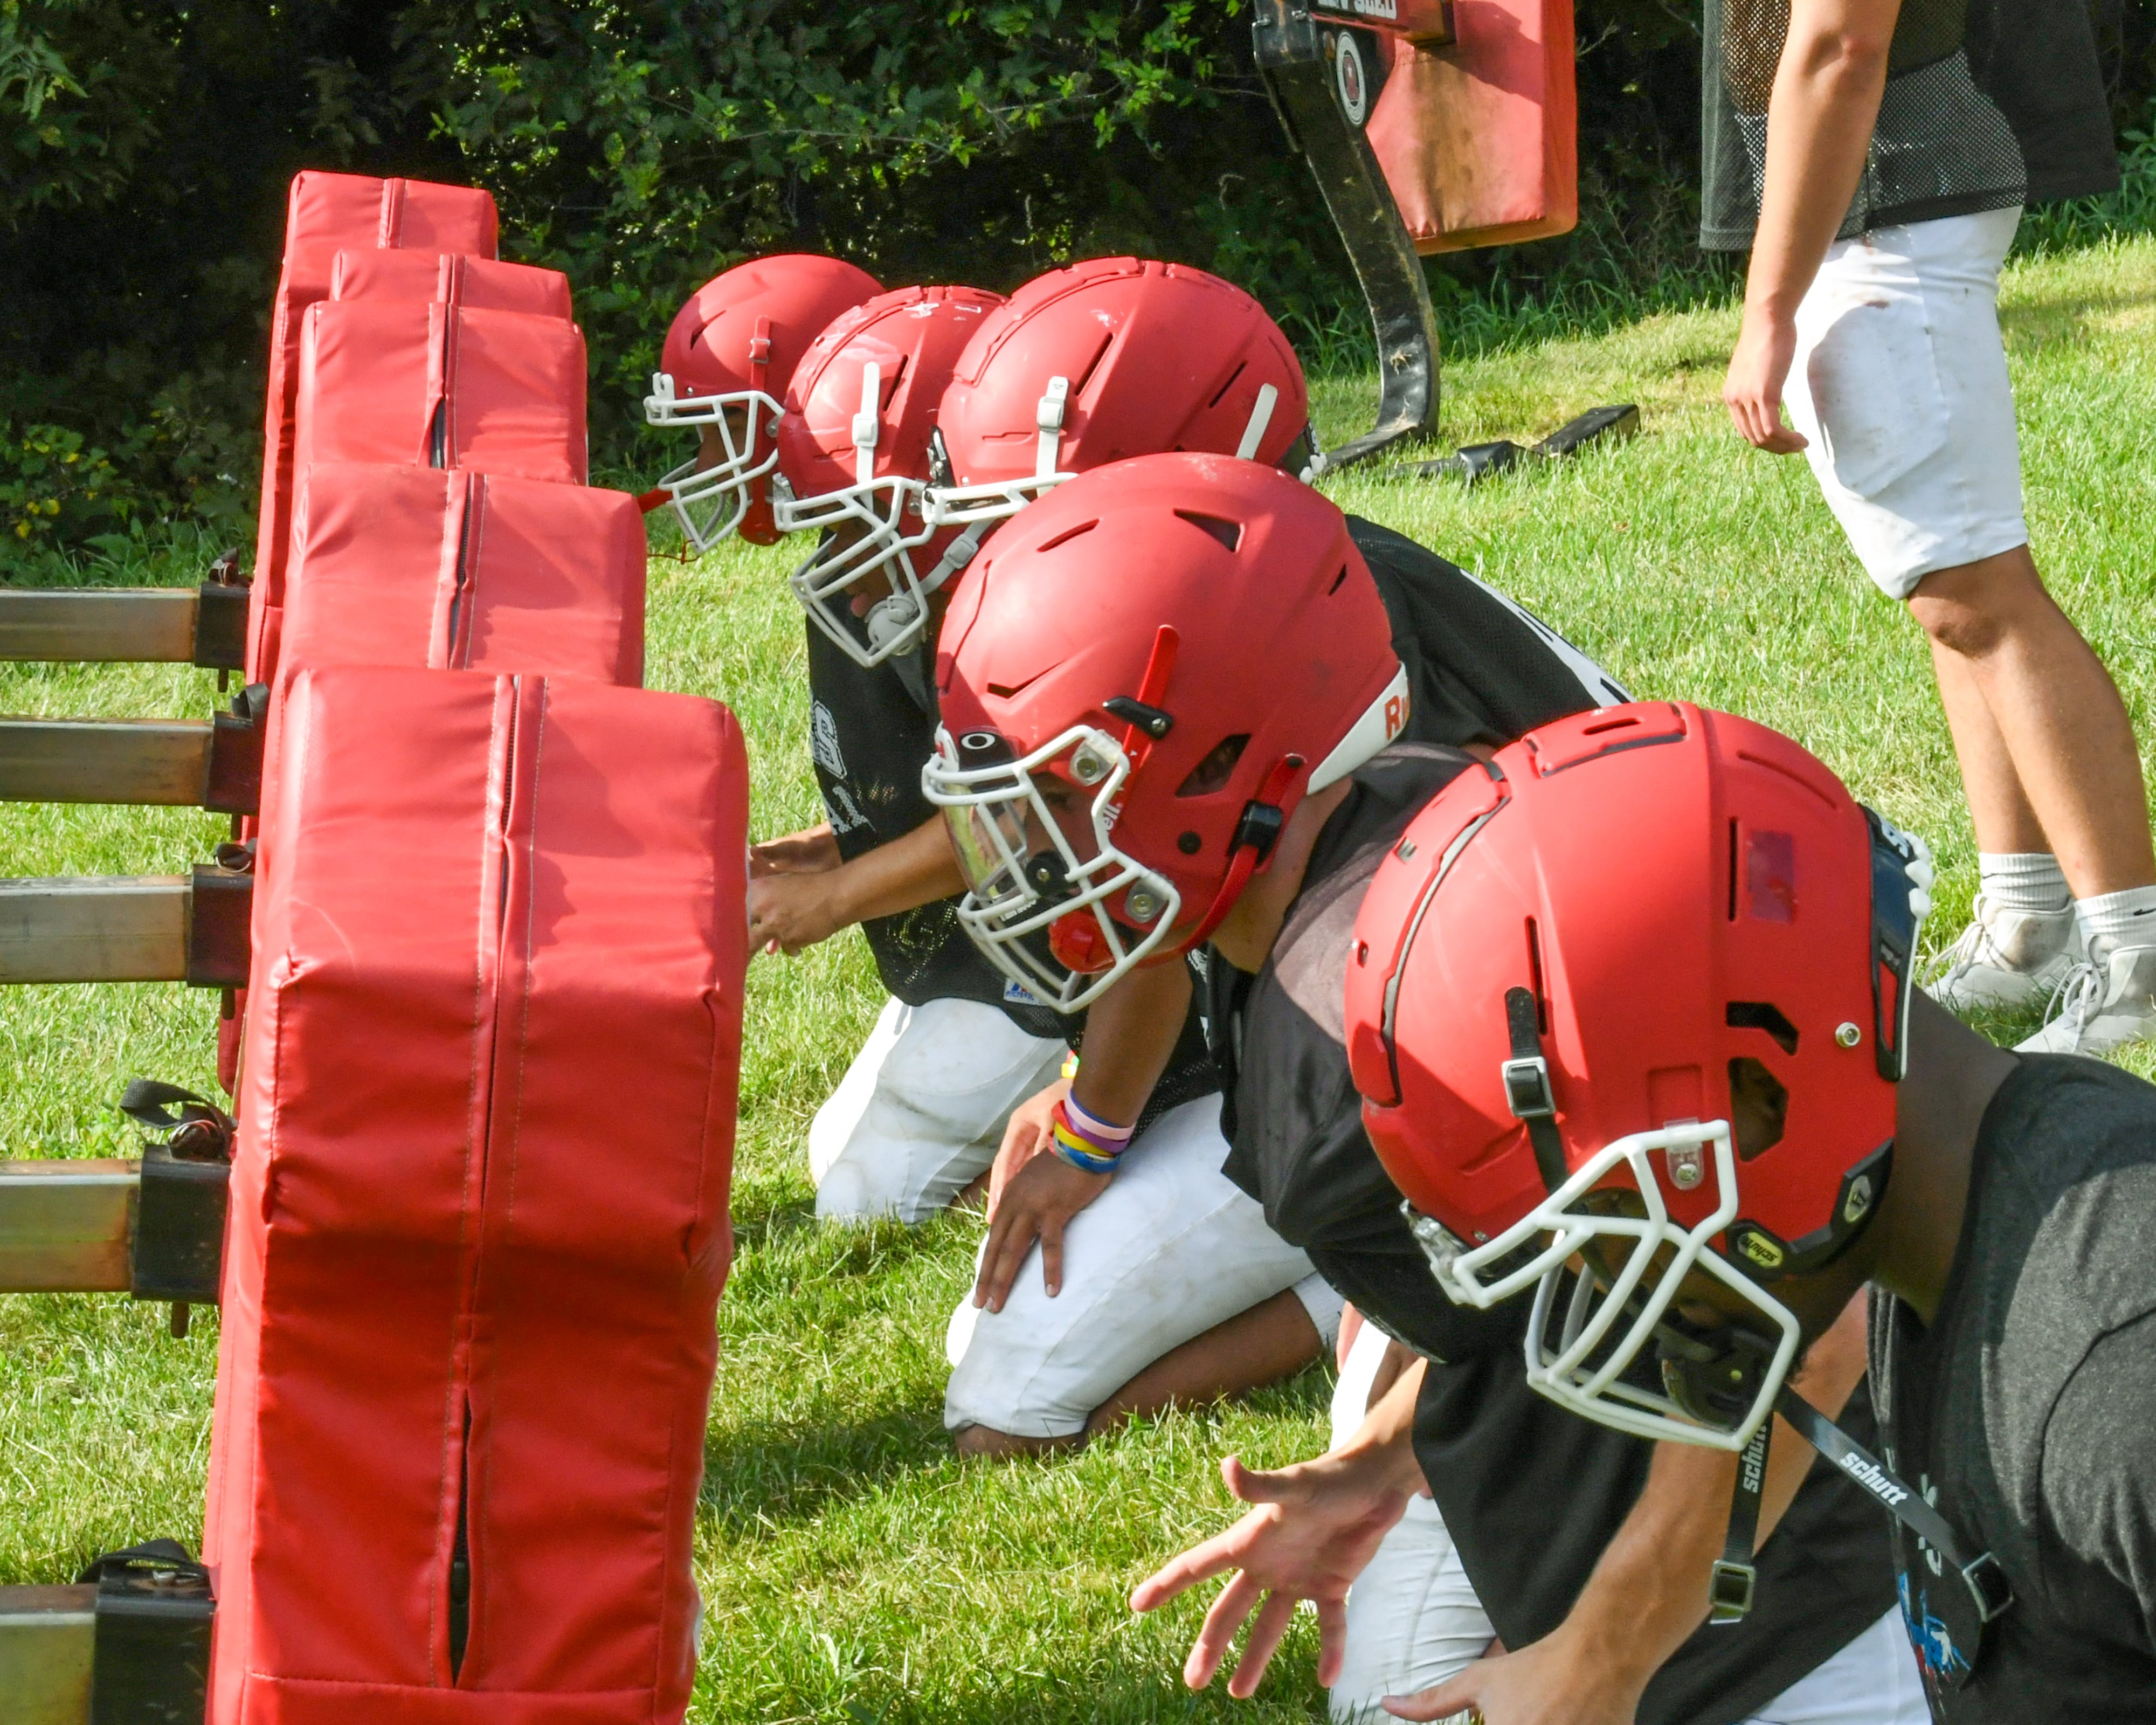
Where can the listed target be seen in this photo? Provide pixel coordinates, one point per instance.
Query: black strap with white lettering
(1729, 1594)
(1985, 1580)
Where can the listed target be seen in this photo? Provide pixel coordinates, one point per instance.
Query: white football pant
(920, 1114)
(1171, 1248)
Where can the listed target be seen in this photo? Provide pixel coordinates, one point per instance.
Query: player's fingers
(1332, 1640)
(999, 1262)
(1263, 1485)
(1266, 1629)
(1455, 1694)
(1051, 1255)
(1218, 1631)
(1178, 1575)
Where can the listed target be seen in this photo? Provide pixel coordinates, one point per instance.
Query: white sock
(2122, 919)
(2026, 880)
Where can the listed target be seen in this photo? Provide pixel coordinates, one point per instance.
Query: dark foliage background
(643, 145)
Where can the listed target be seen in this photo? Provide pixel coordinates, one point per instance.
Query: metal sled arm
(214, 764)
(48, 1637)
(146, 625)
(1291, 57)
(127, 928)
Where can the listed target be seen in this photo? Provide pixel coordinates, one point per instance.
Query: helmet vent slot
(1066, 536)
(1763, 1015)
(1212, 773)
(1221, 394)
(1337, 581)
(1758, 1107)
(1229, 533)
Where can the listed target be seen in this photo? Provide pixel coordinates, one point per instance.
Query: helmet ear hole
(1212, 773)
(1758, 1107)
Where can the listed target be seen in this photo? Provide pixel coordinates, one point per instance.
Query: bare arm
(1130, 1033)
(1819, 120)
(1649, 1593)
(794, 907)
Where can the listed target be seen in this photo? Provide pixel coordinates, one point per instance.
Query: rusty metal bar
(68, 1227)
(143, 625)
(47, 1643)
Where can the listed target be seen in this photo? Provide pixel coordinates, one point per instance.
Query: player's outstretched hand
(1314, 1529)
(1036, 1202)
(1556, 1680)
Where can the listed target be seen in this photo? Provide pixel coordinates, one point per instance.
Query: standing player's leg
(1900, 385)
(921, 1111)
(1172, 1253)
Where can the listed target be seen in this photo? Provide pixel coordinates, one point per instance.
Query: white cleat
(2005, 959)
(2103, 1005)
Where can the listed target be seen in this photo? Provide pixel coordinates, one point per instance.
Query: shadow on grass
(2055, 315)
(763, 1476)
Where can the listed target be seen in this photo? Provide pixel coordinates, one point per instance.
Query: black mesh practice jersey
(1531, 1492)
(1989, 104)
(1482, 668)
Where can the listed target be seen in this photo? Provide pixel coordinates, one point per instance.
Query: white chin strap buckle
(866, 424)
(1261, 416)
(1048, 418)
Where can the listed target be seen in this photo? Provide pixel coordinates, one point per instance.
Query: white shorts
(1900, 385)
(1413, 1618)
(1414, 1621)
(920, 1114)
(1171, 1248)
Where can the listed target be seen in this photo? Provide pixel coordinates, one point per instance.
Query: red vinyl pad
(325, 215)
(454, 279)
(440, 385)
(478, 1223)
(1479, 138)
(454, 569)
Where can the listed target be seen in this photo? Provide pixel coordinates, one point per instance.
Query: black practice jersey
(2026, 1410)
(1480, 668)
(1530, 1493)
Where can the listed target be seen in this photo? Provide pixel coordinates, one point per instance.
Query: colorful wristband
(1084, 1142)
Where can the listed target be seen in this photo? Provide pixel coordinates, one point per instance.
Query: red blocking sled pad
(326, 214)
(478, 283)
(454, 569)
(1479, 137)
(441, 386)
(478, 1223)
(451, 570)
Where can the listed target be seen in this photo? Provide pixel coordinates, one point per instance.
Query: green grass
(854, 1570)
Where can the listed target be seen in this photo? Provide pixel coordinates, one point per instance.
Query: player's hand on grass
(789, 911)
(1314, 1529)
(1557, 1681)
(1035, 1203)
(1758, 370)
(811, 851)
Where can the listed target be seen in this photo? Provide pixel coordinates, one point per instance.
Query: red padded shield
(441, 386)
(478, 1226)
(1479, 137)
(457, 570)
(327, 213)
(454, 279)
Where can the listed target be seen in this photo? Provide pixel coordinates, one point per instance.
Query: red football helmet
(1639, 990)
(727, 357)
(1107, 359)
(1138, 686)
(853, 461)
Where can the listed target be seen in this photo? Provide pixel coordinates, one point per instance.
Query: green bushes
(641, 146)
